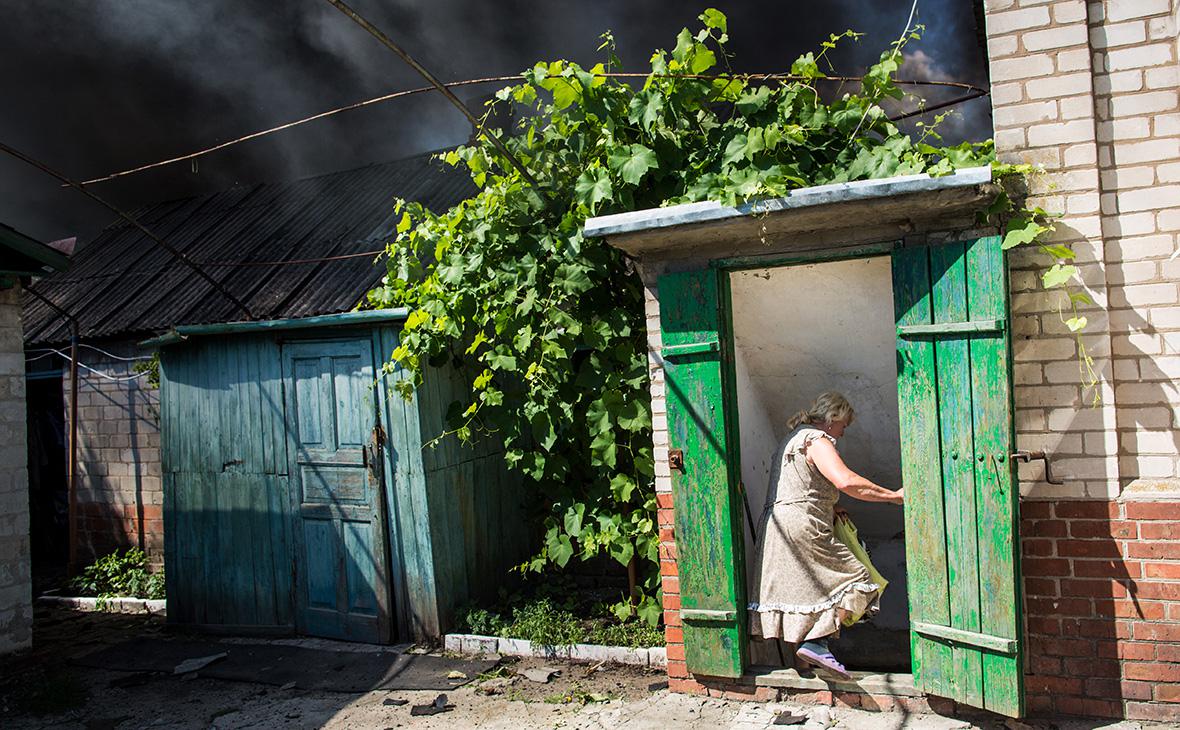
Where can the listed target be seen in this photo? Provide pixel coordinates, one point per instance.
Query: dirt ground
(41, 689)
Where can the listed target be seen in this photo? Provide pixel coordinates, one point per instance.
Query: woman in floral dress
(806, 581)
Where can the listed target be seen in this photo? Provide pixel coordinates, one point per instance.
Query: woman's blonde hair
(828, 407)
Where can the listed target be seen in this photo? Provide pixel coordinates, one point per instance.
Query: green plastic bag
(845, 532)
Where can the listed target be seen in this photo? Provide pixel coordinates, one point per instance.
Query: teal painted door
(341, 563)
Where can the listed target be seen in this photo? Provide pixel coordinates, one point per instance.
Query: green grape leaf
(593, 187)
(1058, 274)
(633, 161)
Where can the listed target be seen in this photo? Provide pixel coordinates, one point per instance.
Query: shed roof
(121, 284)
(26, 256)
(695, 228)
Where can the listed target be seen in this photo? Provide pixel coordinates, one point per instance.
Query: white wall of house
(801, 330)
(1089, 92)
(757, 441)
(16, 600)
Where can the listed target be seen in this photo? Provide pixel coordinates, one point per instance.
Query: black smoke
(94, 86)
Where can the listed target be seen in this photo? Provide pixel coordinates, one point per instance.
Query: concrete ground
(43, 690)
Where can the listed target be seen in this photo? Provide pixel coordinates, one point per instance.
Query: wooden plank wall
(456, 514)
(476, 506)
(226, 504)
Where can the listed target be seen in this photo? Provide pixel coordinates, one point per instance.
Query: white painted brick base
(655, 657)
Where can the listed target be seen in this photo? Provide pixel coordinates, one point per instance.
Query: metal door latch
(676, 459)
(1029, 456)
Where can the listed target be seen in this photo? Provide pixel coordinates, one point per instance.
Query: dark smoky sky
(94, 86)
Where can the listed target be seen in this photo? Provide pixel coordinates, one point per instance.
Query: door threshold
(870, 683)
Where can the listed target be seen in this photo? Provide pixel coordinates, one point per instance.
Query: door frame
(724, 267)
(390, 596)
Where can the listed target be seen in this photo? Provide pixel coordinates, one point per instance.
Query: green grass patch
(558, 614)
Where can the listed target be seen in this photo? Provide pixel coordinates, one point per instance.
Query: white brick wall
(16, 599)
(1083, 89)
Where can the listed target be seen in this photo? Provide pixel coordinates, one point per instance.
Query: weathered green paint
(476, 509)
(708, 538)
(233, 476)
(925, 534)
(954, 399)
(950, 328)
(966, 638)
(343, 319)
(226, 540)
(953, 373)
(998, 501)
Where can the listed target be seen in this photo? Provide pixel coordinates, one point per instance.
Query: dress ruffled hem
(815, 608)
(801, 623)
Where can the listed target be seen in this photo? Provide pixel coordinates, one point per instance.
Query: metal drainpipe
(72, 488)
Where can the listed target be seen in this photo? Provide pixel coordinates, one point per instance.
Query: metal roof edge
(368, 316)
(14, 240)
(710, 211)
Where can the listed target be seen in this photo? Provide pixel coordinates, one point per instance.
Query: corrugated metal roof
(122, 284)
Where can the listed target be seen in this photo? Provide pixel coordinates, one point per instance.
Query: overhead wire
(388, 42)
(50, 351)
(974, 92)
(175, 252)
(96, 371)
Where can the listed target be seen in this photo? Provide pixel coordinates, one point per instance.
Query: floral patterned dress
(805, 578)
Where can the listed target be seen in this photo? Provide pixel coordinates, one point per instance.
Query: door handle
(1039, 455)
(372, 458)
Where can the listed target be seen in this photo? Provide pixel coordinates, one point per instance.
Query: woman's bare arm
(823, 454)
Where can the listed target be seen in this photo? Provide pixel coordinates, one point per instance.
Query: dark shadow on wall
(1085, 595)
(1080, 599)
(48, 497)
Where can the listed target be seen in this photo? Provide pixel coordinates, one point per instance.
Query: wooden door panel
(342, 576)
(961, 508)
(926, 549)
(708, 538)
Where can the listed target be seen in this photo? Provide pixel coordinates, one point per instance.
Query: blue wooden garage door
(341, 557)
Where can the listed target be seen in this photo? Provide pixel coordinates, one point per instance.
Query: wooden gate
(961, 498)
(341, 563)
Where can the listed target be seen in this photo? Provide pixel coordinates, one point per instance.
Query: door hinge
(676, 460)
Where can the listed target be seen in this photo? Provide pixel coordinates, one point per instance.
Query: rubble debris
(495, 686)
(197, 663)
(540, 675)
(438, 706)
(788, 718)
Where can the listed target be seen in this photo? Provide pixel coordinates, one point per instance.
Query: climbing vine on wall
(553, 322)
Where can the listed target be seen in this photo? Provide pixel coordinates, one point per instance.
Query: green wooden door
(961, 498)
(708, 537)
(340, 551)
